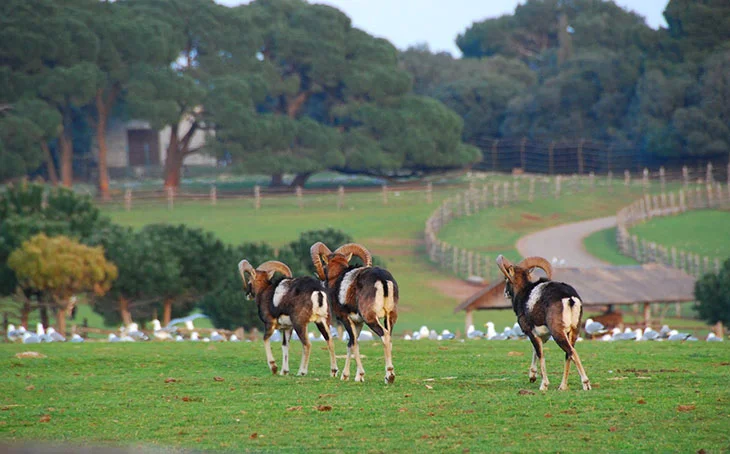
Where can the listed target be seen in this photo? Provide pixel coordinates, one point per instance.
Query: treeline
(55, 245)
(589, 70)
(278, 86)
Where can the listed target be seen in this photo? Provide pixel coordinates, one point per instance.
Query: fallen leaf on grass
(297, 408)
(322, 396)
(45, 418)
(218, 379)
(612, 429)
(701, 451)
(324, 408)
(407, 395)
(8, 407)
(685, 407)
(515, 354)
(641, 401)
(524, 392)
(186, 399)
(429, 387)
(402, 410)
(29, 388)
(30, 355)
(253, 436)
(170, 380)
(547, 415)
(429, 379)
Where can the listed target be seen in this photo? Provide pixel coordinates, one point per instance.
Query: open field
(603, 245)
(449, 396)
(703, 232)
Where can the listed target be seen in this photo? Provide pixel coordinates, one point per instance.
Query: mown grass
(449, 396)
(703, 232)
(602, 245)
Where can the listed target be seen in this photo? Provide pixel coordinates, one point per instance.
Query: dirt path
(565, 242)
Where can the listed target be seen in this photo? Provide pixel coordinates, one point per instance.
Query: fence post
(506, 193)
(710, 177)
(170, 198)
(645, 179)
(485, 195)
(627, 177)
(128, 199)
(257, 197)
(685, 176)
(516, 190)
(531, 194)
(494, 154)
(429, 193)
(523, 163)
(710, 201)
(551, 160)
(455, 262)
(213, 195)
(300, 199)
(592, 180)
(557, 187)
(662, 177)
(495, 190)
(682, 201)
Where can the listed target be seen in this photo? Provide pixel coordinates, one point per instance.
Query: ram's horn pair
(319, 249)
(271, 266)
(527, 263)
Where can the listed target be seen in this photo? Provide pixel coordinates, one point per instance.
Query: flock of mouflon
(367, 294)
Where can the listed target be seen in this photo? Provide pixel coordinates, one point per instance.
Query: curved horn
(503, 264)
(358, 250)
(243, 267)
(317, 250)
(537, 262)
(275, 265)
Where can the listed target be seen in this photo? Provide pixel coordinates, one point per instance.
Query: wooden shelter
(602, 286)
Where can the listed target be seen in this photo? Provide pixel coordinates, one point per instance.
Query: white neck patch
(280, 291)
(535, 296)
(346, 283)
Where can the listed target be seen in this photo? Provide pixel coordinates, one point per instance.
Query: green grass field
(448, 397)
(703, 232)
(603, 245)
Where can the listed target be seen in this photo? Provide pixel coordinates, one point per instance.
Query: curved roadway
(565, 242)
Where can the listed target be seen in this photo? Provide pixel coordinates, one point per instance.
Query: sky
(438, 22)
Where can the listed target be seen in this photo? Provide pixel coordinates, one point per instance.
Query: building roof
(650, 283)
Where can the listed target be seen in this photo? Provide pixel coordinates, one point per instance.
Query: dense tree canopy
(713, 296)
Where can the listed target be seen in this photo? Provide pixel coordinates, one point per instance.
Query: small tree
(60, 268)
(147, 273)
(713, 296)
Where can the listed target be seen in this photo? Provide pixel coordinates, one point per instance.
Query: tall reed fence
(709, 195)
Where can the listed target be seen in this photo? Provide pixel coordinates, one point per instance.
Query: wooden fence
(709, 195)
(477, 266)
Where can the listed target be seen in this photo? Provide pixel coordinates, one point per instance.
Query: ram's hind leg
(330, 346)
(268, 332)
(285, 341)
(539, 354)
(384, 334)
(566, 343)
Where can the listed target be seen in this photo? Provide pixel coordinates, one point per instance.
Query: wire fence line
(710, 195)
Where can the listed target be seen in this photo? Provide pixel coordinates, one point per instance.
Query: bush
(713, 296)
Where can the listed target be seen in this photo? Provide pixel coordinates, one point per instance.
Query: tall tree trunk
(166, 311)
(102, 111)
(61, 320)
(172, 160)
(178, 149)
(50, 165)
(277, 180)
(25, 314)
(43, 308)
(300, 179)
(67, 154)
(124, 311)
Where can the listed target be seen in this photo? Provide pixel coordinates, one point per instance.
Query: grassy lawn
(703, 232)
(602, 245)
(449, 396)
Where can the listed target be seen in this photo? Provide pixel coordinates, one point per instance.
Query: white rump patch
(319, 313)
(284, 320)
(379, 305)
(346, 283)
(280, 291)
(571, 314)
(535, 295)
(390, 299)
